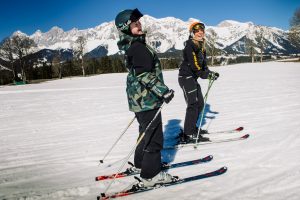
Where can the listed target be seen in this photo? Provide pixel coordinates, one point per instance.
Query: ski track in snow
(53, 134)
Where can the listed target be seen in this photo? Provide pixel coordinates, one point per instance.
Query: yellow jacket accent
(196, 61)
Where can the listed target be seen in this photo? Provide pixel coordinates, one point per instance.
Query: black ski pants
(194, 100)
(147, 154)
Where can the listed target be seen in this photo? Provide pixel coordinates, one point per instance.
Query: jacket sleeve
(153, 83)
(197, 62)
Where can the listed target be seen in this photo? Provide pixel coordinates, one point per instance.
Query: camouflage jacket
(145, 90)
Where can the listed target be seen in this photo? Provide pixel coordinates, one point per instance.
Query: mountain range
(167, 35)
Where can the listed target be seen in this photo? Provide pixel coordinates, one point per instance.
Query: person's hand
(213, 75)
(168, 96)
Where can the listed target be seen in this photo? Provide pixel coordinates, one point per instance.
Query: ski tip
(100, 178)
(101, 161)
(223, 169)
(209, 158)
(245, 136)
(240, 128)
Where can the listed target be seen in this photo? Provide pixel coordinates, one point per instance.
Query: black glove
(168, 96)
(213, 75)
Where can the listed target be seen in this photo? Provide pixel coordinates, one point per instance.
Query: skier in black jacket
(194, 65)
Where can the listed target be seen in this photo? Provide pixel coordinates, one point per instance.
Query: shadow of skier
(207, 111)
(172, 130)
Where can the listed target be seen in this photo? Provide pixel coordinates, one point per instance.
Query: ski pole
(102, 160)
(132, 150)
(209, 86)
(202, 114)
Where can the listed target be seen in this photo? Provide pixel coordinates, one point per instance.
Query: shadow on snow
(173, 129)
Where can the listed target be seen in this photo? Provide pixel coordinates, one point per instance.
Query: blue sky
(30, 15)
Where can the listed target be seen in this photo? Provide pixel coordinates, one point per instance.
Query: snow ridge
(163, 34)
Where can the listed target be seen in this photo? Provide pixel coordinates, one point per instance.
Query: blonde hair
(200, 44)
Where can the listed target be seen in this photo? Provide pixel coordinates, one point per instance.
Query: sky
(31, 15)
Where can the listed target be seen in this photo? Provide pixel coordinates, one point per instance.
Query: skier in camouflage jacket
(146, 90)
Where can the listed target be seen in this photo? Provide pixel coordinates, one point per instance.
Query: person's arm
(153, 83)
(208, 73)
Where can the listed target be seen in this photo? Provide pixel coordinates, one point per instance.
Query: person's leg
(147, 154)
(138, 154)
(189, 87)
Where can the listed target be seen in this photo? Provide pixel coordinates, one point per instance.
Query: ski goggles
(198, 27)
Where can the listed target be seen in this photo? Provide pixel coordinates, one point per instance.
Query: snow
(228, 23)
(230, 31)
(92, 44)
(112, 47)
(60, 45)
(53, 134)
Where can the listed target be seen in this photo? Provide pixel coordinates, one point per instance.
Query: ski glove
(168, 96)
(213, 75)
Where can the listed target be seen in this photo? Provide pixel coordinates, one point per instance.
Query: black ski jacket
(194, 61)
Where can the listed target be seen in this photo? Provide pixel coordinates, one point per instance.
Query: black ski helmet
(124, 19)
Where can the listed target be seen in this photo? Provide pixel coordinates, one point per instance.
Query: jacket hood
(126, 40)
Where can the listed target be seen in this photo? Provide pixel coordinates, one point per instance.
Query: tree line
(23, 66)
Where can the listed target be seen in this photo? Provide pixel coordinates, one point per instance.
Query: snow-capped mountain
(232, 36)
(56, 38)
(168, 34)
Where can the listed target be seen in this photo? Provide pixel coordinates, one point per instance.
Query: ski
(137, 189)
(212, 141)
(236, 130)
(187, 163)
(165, 166)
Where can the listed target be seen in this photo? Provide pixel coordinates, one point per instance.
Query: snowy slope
(53, 134)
